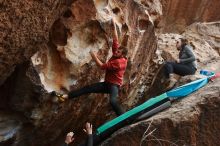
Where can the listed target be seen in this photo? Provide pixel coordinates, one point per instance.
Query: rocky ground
(44, 46)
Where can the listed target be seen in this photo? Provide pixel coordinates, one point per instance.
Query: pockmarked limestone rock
(25, 27)
(45, 45)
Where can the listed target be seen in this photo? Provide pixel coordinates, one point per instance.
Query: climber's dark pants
(177, 68)
(101, 87)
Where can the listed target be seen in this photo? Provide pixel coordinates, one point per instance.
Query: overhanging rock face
(44, 46)
(25, 27)
(179, 14)
(64, 63)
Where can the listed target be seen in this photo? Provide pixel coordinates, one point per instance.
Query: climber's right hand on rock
(92, 53)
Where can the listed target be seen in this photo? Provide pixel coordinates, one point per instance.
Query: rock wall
(178, 14)
(64, 63)
(175, 15)
(45, 46)
(24, 28)
(93, 33)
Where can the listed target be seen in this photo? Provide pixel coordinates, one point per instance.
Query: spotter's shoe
(171, 84)
(58, 97)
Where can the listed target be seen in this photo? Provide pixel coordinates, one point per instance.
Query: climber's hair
(184, 41)
(124, 50)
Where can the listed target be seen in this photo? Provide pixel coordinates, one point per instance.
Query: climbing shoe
(58, 97)
(171, 84)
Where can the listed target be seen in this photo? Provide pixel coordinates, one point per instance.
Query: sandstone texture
(178, 14)
(25, 28)
(44, 47)
(63, 63)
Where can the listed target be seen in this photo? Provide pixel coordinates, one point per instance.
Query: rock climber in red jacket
(115, 69)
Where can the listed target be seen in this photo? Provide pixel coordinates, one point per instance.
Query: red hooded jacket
(115, 67)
